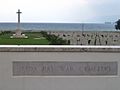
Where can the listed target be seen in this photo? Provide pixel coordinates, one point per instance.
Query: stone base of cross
(18, 34)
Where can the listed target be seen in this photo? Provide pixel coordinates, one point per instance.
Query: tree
(117, 26)
(54, 40)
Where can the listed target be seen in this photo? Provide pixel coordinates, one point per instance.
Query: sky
(60, 11)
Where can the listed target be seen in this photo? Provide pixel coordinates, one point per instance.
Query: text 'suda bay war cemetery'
(60, 34)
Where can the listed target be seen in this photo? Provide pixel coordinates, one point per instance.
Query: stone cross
(18, 19)
(18, 32)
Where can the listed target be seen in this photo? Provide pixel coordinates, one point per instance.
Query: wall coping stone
(58, 48)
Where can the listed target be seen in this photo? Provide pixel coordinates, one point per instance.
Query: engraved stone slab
(66, 68)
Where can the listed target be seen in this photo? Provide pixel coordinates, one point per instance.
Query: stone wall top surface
(57, 48)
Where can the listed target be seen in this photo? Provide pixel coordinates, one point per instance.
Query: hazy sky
(60, 10)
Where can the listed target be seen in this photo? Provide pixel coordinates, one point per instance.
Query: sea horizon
(58, 26)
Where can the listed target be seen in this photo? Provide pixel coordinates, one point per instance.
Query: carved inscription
(40, 68)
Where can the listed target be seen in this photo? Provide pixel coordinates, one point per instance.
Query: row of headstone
(89, 38)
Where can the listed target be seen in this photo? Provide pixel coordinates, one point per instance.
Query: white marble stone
(95, 38)
(10, 82)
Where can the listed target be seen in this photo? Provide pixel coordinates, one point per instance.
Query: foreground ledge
(57, 48)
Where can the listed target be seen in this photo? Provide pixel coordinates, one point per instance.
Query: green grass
(31, 40)
(28, 41)
(6, 36)
(33, 34)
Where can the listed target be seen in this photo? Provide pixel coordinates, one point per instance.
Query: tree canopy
(54, 40)
(117, 26)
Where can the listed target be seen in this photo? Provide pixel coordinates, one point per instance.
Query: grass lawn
(33, 39)
(23, 42)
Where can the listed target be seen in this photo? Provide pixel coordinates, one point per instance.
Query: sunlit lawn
(33, 39)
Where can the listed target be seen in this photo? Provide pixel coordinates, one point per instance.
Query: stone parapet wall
(22, 48)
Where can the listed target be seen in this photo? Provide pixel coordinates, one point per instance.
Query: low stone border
(58, 48)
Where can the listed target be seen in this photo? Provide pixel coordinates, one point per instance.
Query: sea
(59, 26)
